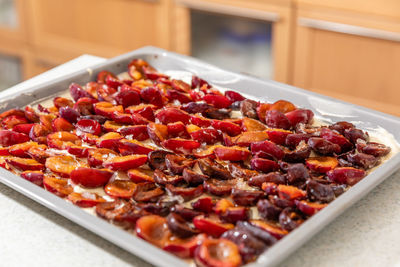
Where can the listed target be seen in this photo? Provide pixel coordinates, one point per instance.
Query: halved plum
(35, 177)
(62, 165)
(228, 127)
(157, 132)
(89, 126)
(264, 165)
(131, 147)
(9, 138)
(218, 253)
(179, 145)
(322, 164)
(346, 175)
(25, 164)
(85, 199)
(120, 189)
(140, 175)
(290, 192)
(125, 162)
(233, 153)
(89, 177)
(96, 157)
(247, 138)
(59, 187)
(269, 148)
(309, 208)
(211, 226)
(154, 229)
(109, 140)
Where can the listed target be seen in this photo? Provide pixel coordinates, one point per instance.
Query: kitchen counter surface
(367, 234)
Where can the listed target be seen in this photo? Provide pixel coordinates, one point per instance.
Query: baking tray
(323, 106)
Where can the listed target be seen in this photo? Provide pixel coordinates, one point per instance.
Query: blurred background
(346, 49)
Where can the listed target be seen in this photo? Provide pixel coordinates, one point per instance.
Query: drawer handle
(349, 29)
(230, 10)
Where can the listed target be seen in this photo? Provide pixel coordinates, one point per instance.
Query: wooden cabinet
(278, 13)
(352, 57)
(64, 29)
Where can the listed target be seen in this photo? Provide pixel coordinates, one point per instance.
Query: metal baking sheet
(323, 106)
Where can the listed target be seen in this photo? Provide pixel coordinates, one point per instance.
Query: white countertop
(368, 234)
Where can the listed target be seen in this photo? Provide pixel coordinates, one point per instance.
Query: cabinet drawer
(356, 64)
(102, 27)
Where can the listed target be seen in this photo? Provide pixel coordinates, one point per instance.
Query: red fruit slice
(184, 248)
(79, 151)
(112, 126)
(138, 132)
(60, 102)
(170, 115)
(234, 96)
(62, 140)
(249, 124)
(91, 178)
(179, 145)
(322, 164)
(125, 162)
(23, 128)
(297, 116)
(263, 165)
(84, 105)
(262, 110)
(152, 96)
(89, 126)
(218, 187)
(233, 153)
(180, 86)
(177, 129)
(268, 148)
(176, 95)
(290, 192)
(246, 138)
(140, 176)
(109, 140)
(218, 101)
(230, 128)
(130, 147)
(21, 150)
(154, 229)
(13, 120)
(336, 138)
(25, 164)
(218, 253)
(145, 110)
(346, 175)
(213, 227)
(309, 208)
(147, 192)
(120, 188)
(61, 124)
(9, 138)
(35, 177)
(200, 121)
(59, 187)
(209, 136)
(62, 165)
(86, 199)
(157, 132)
(277, 119)
(98, 156)
(106, 109)
(246, 197)
(282, 106)
(204, 204)
(187, 193)
(278, 136)
(274, 230)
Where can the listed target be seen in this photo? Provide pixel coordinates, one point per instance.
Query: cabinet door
(276, 15)
(356, 64)
(101, 27)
